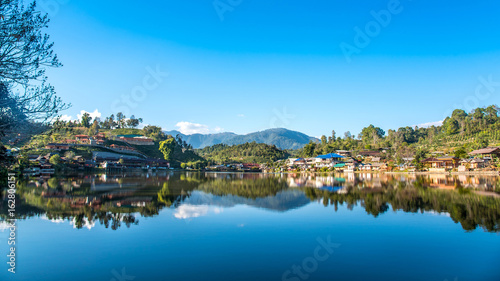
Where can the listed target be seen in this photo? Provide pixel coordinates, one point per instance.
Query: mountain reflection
(115, 201)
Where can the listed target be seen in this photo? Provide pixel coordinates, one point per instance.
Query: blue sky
(261, 64)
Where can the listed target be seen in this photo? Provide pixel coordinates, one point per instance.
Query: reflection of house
(441, 163)
(442, 182)
(46, 169)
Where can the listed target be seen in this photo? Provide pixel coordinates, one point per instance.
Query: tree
(167, 148)
(323, 140)
(94, 129)
(86, 119)
(25, 54)
(153, 132)
(459, 114)
(419, 156)
(69, 155)
(55, 159)
(120, 120)
(133, 122)
(451, 126)
(371, 135)
(309, 148)
(460, 153)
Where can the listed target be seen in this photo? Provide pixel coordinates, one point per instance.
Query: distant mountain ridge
(282, 138)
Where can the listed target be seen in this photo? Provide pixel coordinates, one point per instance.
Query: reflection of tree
(468, 209)
(256, 188)
(164, 195)
(85, 206)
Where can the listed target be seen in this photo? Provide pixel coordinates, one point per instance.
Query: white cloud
(189, 128)
(429, 124)
(94, 115)
(188, 211)
(65, 118)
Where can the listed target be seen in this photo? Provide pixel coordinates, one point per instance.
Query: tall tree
(167, 148)
(86, 119)
(25, 54)
(120, 120)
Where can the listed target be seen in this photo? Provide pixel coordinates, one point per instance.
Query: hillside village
(465, 143)
(480, 160)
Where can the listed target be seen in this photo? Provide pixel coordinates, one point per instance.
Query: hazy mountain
(282, 138)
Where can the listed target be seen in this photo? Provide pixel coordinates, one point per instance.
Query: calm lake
(235, 226)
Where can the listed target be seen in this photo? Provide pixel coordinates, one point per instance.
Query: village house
(407, 163)
(297, 162)
(368, 153)
(487, 153)
(441, 164)
(122, 147)
(328, 160)
(345, 153)
(82, 139)
(100, 136)
(57, 146)
(141, 140)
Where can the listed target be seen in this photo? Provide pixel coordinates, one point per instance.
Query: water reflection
(117, 200)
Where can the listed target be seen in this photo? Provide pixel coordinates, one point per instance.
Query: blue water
(227, 237)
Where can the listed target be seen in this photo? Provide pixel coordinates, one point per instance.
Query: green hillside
(243, 153)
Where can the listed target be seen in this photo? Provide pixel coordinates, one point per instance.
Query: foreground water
(217, 226)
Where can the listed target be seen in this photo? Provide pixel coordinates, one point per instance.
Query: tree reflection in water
(115, 201)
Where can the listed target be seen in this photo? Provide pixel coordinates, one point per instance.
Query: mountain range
(282, 138)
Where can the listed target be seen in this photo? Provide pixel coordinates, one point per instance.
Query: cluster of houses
(245, 167)
(99, 140)
(479, 160)
(113, 161)
(135, 139)
(39, 165)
